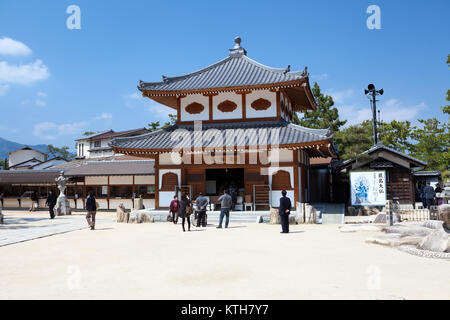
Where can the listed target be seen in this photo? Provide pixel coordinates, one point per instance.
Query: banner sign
(368, 188)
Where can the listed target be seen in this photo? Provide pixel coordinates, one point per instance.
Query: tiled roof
(246, 134)
(234, 71)
(28, 176)
(111, 134)
(113, 168)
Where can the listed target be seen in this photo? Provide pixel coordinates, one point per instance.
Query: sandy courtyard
(247, 261)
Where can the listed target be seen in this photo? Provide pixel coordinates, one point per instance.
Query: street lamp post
(372, 92)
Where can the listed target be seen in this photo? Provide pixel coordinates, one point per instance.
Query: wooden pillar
(109, 193)
(296, 183)
(157, 181)
(133, 191)
(278, 104)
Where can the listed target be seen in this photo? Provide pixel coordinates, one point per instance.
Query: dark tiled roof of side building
(246, 134)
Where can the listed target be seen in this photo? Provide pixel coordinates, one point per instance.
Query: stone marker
(259, 219)
(436, 241)
(123, 215)
(274, 216)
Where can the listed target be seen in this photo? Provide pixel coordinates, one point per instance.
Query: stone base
(123, 215)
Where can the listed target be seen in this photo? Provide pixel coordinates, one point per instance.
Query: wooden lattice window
(227, 106)
(281, 180)
(169, 181)
(195, 108)
(261, 104)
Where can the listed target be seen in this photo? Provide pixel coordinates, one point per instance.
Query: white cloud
(3, 89)
(12, 47)
(104, 116)
(42, 94)
(40, 102)
(392, 109)
(51, 130)
(134, 96)
(322, 76)
(24, 73)
(340, 96)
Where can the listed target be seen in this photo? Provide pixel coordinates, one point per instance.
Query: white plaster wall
(255, 95)
(144, 179)
(114, 203)
(281, 155)
(100, 180)
(199, 98)
(102, 204)
(149, 203)
(24, 155)
(165, 197)
(276, 195)
(236, 98)
(290, 170)
(115, 180)
(169, 158)
(10, 203)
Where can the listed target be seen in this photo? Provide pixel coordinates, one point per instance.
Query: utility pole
(372, 92)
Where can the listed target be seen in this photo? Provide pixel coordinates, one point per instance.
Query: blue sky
(56, 83)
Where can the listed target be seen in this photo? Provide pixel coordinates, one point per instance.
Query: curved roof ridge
(322, 132)
(271, 69)
(175, 78)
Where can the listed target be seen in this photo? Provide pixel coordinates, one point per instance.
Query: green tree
(396, 135)
(154, 126)
(4, 164)
(432, 142)
(446, 109)
(62, 152)
(353, 140)
(88, 133)
(325, 116)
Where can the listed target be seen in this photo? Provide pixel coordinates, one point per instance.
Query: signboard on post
(368, 188)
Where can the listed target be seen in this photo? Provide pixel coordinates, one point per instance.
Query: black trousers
(284, 223)
(201, 219)
(188, 222)
(52, 211)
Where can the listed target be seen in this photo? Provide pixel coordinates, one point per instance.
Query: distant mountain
(7, 146)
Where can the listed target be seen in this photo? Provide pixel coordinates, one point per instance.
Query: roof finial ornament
(305, 72)
(237, 50)
(288, 69)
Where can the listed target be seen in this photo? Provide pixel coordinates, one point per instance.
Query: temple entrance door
(217, 180)
(187, 189)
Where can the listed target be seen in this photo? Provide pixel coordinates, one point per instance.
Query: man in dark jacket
(202, 203)
(51, 202)
(91, 207)
(429, 194)
(284, 211)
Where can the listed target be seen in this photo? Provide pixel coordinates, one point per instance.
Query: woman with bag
(185, 211)
(174, 209)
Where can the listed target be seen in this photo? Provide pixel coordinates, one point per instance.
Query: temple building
(234, 129)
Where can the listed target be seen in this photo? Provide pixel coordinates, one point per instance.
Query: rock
(310, 214)
(351, 211)
(274, 216)
(436, 241)
(141, 217)
(433, 224)
(395, 241)
(259, 219)
(381, 217)
(300, 213)
(123, 215)
(408, 230)
(444, 214)
(358, 227)
(424, 253)
(292, 219)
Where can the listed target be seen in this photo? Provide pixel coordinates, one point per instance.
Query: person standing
(34, 201)
(51, 202)
(225, 206)
(429, 195)
(202, 203)
(185, 211)
(91, 207)
(174, 208)
(284, 211)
